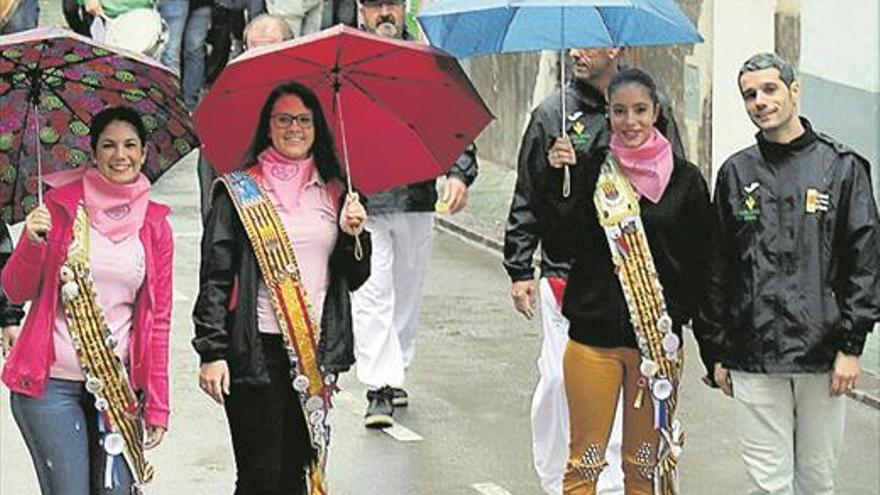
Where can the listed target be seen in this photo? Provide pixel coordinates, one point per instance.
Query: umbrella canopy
(469, 28)
(52, 82)
(402, 112)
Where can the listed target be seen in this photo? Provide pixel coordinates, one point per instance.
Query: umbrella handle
(566, 182)
(358, 248)
(39, 159)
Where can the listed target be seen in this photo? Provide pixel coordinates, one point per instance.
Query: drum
(138, 30)
(7, 8)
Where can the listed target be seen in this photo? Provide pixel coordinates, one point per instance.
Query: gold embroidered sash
(617, 207)
(300, 332)
(106, 378)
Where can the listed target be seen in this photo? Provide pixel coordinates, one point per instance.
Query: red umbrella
(402, 112)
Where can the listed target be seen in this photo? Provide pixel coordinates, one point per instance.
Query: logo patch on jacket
(817, 201)
(579, 135)
(750, 208)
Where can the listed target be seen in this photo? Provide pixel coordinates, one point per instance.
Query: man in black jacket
(794, 286)
(386, 307)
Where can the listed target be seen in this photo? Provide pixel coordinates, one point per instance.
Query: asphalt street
(467, 429)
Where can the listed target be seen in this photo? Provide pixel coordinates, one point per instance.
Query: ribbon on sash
(300, 332)
(120, 411)
(617, 207)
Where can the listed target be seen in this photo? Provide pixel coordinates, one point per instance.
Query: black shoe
(379, 411)
(399, 397)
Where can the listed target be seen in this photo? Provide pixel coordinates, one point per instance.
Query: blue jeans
(25, 17)
(61, 433)
(187, 33)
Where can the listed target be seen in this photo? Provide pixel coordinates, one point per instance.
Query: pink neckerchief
(286, 177)
(115, 210)
(648, 167)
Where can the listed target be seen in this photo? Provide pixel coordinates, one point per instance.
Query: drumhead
(7, 7)
(138, 30)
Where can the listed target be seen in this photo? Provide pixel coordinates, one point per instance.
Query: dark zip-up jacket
(421, 196)
(795, 268)
(226, 326)
(676, 229)
(535, 209)
(10, 314)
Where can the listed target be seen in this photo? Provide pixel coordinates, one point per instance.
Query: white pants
(791, 430)
(386, 308)
(550, 422)
(303, 16)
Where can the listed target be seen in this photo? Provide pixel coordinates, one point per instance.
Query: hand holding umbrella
(38, 223)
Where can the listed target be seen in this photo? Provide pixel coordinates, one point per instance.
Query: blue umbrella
(469, 28)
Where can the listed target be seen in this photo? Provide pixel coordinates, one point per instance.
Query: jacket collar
(587, 95)
(772, 150)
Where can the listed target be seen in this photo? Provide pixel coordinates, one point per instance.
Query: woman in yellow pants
(626, 322)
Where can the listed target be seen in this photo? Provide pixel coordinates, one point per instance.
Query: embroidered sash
(300, 332)
(617, 207)
(120, 410)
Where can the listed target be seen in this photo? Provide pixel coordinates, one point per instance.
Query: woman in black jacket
(615, 310)
(282, 250)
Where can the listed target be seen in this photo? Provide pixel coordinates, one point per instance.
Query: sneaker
(379, 411)
(399, 397)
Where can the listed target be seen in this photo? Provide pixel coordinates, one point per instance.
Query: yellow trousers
(594, 376)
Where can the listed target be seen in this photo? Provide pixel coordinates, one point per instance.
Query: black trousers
(270, 440)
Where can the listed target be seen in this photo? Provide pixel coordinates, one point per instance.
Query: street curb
(449, 226)
(867, 393)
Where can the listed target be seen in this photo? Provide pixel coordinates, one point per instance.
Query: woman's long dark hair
(323, 149)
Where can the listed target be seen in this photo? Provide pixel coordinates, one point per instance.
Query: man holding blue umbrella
(386, 307)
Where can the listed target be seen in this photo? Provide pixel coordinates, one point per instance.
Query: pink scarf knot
(115, 210)
(284, 177)
(648, 167)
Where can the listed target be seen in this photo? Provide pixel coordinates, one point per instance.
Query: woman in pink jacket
(56, 401)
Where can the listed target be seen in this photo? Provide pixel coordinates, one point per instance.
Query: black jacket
(421, 196)
(10, 314)
(232, 334)
(676, 229)
(795, 268)
(535, 209)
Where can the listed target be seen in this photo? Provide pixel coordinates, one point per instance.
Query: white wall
(741, 29)
(840, 40)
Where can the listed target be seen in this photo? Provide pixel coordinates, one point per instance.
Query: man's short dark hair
(763, 61)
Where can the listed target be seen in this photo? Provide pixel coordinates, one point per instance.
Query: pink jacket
(32, 274)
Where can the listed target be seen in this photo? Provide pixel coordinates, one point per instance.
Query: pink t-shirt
(118, 271)
(312, 229)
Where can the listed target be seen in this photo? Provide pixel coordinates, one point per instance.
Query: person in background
(303, 16)
(26, 15)
(188, 24)
(386, 308)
